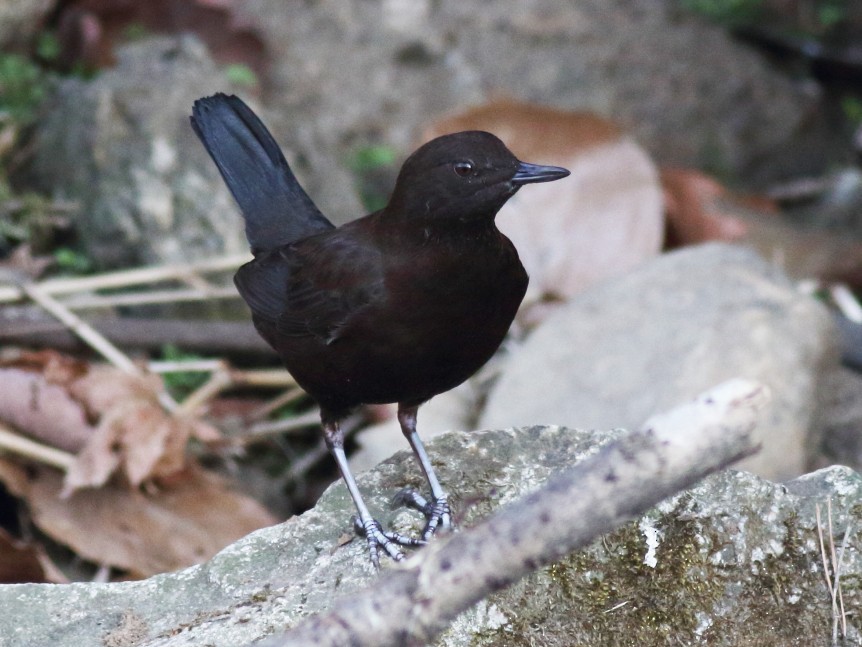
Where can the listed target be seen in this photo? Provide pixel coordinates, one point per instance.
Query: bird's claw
(437, 512)
(378, 538)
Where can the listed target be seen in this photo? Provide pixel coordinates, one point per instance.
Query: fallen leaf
(89, 30)
(700, 209)
(600, 222)
(111, 420)
(694, 210)
(22, 562)
(42, 410)
(180, 525)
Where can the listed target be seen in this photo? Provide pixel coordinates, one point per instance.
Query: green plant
(179, 384)
(71, 261)
(47, 46)
(831, 12)
(23, 86)
(135, 31)
(241, 75)
(725, 11)
(370, 165)
(851, 106)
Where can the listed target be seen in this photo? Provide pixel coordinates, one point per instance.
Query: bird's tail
(276, 209)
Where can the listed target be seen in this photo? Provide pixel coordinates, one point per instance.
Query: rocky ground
(734, 560)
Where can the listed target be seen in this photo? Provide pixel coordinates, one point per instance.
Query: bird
(394, 307)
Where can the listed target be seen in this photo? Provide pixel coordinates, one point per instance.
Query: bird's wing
(313, 290)
(276, 209)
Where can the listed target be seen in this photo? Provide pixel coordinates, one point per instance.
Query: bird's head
(465, 176)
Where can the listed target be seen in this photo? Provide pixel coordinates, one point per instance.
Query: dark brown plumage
(397, 306)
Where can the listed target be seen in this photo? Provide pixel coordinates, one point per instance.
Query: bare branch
(90, 335)
(414, 603)
(126, 278)
(21, 446)
(34, 328)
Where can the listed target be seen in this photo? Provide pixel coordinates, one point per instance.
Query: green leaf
(241, 75)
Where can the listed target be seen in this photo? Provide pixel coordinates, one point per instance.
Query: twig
(81, 328)
(262, 429)
(412, 604)
(836, 583)
(20, 326)
(276, 378)
(125, 278)
(800, 190)
(823, 554)
(300, 466)
(834, 587)
(218, 381)
(846, 302)
(17, 444)
(287, 397)
(185, 366)
(90, 335)
(838, 579)
(84, 301)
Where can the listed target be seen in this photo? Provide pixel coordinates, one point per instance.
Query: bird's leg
(437, 510)
(366, 525)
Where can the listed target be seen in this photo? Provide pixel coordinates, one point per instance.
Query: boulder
(636, 345)
(734, 560)
(120, 144)
(348, 74)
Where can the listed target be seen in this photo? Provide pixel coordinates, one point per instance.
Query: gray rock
(660, 335)
(349, 73)
(732, 561)
(20, 20)
(121, 145)
(841, 422)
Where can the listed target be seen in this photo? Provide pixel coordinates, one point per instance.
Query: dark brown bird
(397, 306)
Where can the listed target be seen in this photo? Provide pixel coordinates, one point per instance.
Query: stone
(841, 422)
(667, 331)
(120, 144)
(734, 560)
(20, 20)
(376, 73)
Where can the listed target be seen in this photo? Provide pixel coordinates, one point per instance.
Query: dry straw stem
(126, 278)
(836, 563)
(412, 604)
(846, 302)
(91, 336)
(19, 445)
(81, 328)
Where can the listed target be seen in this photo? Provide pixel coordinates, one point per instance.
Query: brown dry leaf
(45, 411)
(22, 562)
(601, 221)
(113, 421)
(694, 209)
(88, 30)
(700, 209)
(183, 524)
(133, 433)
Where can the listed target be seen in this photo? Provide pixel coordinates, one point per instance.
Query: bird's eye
(463, 169)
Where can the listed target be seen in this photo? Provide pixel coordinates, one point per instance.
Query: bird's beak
(529, 173)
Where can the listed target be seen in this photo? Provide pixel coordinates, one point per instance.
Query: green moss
(607, 595)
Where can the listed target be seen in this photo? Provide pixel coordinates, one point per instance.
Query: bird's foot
(437, 512)
(379, 539)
